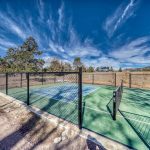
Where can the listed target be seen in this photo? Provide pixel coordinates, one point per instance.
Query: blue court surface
(62, 92)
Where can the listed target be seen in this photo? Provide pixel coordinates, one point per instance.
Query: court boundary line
(117, 115)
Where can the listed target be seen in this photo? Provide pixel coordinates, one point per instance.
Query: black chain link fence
(58, 93)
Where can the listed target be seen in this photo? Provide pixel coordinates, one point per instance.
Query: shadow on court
(63, 109)
(110, 107)
(140, 124)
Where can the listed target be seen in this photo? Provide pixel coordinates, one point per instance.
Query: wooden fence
(130, 79)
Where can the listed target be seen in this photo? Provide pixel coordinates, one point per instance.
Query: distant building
(104, 69)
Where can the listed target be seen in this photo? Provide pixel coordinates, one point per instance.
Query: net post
(28, 96)
(21, 81)
(80, 98)
(114, 105)
(6, 83)
(129, 80)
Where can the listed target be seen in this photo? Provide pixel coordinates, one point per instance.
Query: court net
(117, 96)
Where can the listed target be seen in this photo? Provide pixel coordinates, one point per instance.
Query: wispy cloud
(120, 16)
(50, 32)
(2, 49)
(40, 6)
(9, 24)
(135, 52)
(61, 16)
(52, 43)
(83, 51)
(6, 44)
(72, 48)
(51, 27)
(48, 59)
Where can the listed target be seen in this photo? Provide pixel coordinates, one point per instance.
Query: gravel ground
(21, 129)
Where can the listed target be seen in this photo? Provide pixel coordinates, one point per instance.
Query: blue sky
(102, 32)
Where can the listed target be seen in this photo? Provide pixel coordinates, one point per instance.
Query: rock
(57, 140)
(64, 133)
(64, 138)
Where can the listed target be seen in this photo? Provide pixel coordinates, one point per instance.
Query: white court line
(98, 110)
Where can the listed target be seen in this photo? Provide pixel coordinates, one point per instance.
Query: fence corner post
(28, 96)
(80, 98)
(6, 83)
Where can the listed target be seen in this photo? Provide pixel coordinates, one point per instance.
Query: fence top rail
(97, 73)
(74, 72)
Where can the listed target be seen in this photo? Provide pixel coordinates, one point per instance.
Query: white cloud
(140, 60)
(84, 51)
(25, 26)
(102, 61)
(48, 60)
(134, 48)
(105, 61)
(6, 44)
(74, 47)
(55, 47)
(73, 37)
(120, 16)
(61, 16)
(32, 31)
(3, 48)
(40, 6)
(133, 52)
(51, 27)
(10, 25)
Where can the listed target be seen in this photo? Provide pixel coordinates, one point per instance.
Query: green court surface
(132, 127)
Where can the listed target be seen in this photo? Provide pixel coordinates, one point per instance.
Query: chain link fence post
(80, 98)
(28, 96)
(6, 83)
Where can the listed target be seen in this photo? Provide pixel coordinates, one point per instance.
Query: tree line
(26, 58)
(23, 58)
